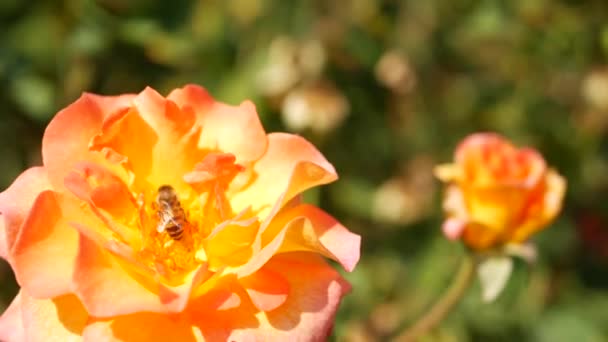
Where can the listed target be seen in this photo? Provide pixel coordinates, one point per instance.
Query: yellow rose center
(178, 227)
(172, 239)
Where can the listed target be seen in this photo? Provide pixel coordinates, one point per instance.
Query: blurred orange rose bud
(498, 194)
(171, 219)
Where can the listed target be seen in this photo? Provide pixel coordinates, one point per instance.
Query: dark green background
(533, 70)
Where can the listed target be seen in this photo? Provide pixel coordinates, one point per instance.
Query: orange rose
(498, 194)
(226, 251)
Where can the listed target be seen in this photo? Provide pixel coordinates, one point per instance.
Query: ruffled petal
(306, 315)
(129, 139)
(235, 130)
(555, 190)
(309, 228)
(543, 209)
(290, 166)
(175, 151)
(16, 202)
(158, 139)
(110, 285)
(448, 172)
(11, 322)
(267, 289)
(215, 167)
(478, 236)
(108, 197)
(453, 228)
(66, 139)
(164, 116)
(106, 288)
(60, 319)
(140, 327)
(194, 97)
(229, 129)
(220, 292)
(496, 208)
(231, 244)
(305, 228)
(487, 159)
(43, 255)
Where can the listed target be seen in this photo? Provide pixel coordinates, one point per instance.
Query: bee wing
(161, 226)
(163, 221)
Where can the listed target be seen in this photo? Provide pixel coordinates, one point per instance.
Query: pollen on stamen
(175, 226)
(170, 255)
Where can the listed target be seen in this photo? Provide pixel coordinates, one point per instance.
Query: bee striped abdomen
(175, 231)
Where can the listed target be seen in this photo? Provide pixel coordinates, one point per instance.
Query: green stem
(445, 304)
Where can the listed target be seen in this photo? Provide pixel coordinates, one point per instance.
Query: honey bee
(171, 215)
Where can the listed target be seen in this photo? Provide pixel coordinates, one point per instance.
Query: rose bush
(82, 232)
(498, 194)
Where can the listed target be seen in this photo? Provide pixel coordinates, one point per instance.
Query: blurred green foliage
(386, 89)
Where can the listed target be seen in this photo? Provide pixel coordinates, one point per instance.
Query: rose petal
(60, 319)
(66, 139)
(533, 163)
(109, 198)
(263, 255)
(110, 285)
(555, 190)
(176, 298)
(220, 292)
(173, 297)
(44, 253)
(321, 233)
(158, 139)
(290, 166)
(235, 130)
(454, 203)
(496, 208)
(306, 228)
(16, 202)
(124, 134)
(215, 167)
(164, 116)
(453, 228)
(97, 185)
(210, 178)
(544, 208)
(478, 236)
(223, 299)
(448, 172)
(106, 288)
(475, 142)
(193, 96)
(231, 245)
(140, 327)
(11, 322)
(176, 152)
(267, 289)
(306, 315)
(489, 160)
